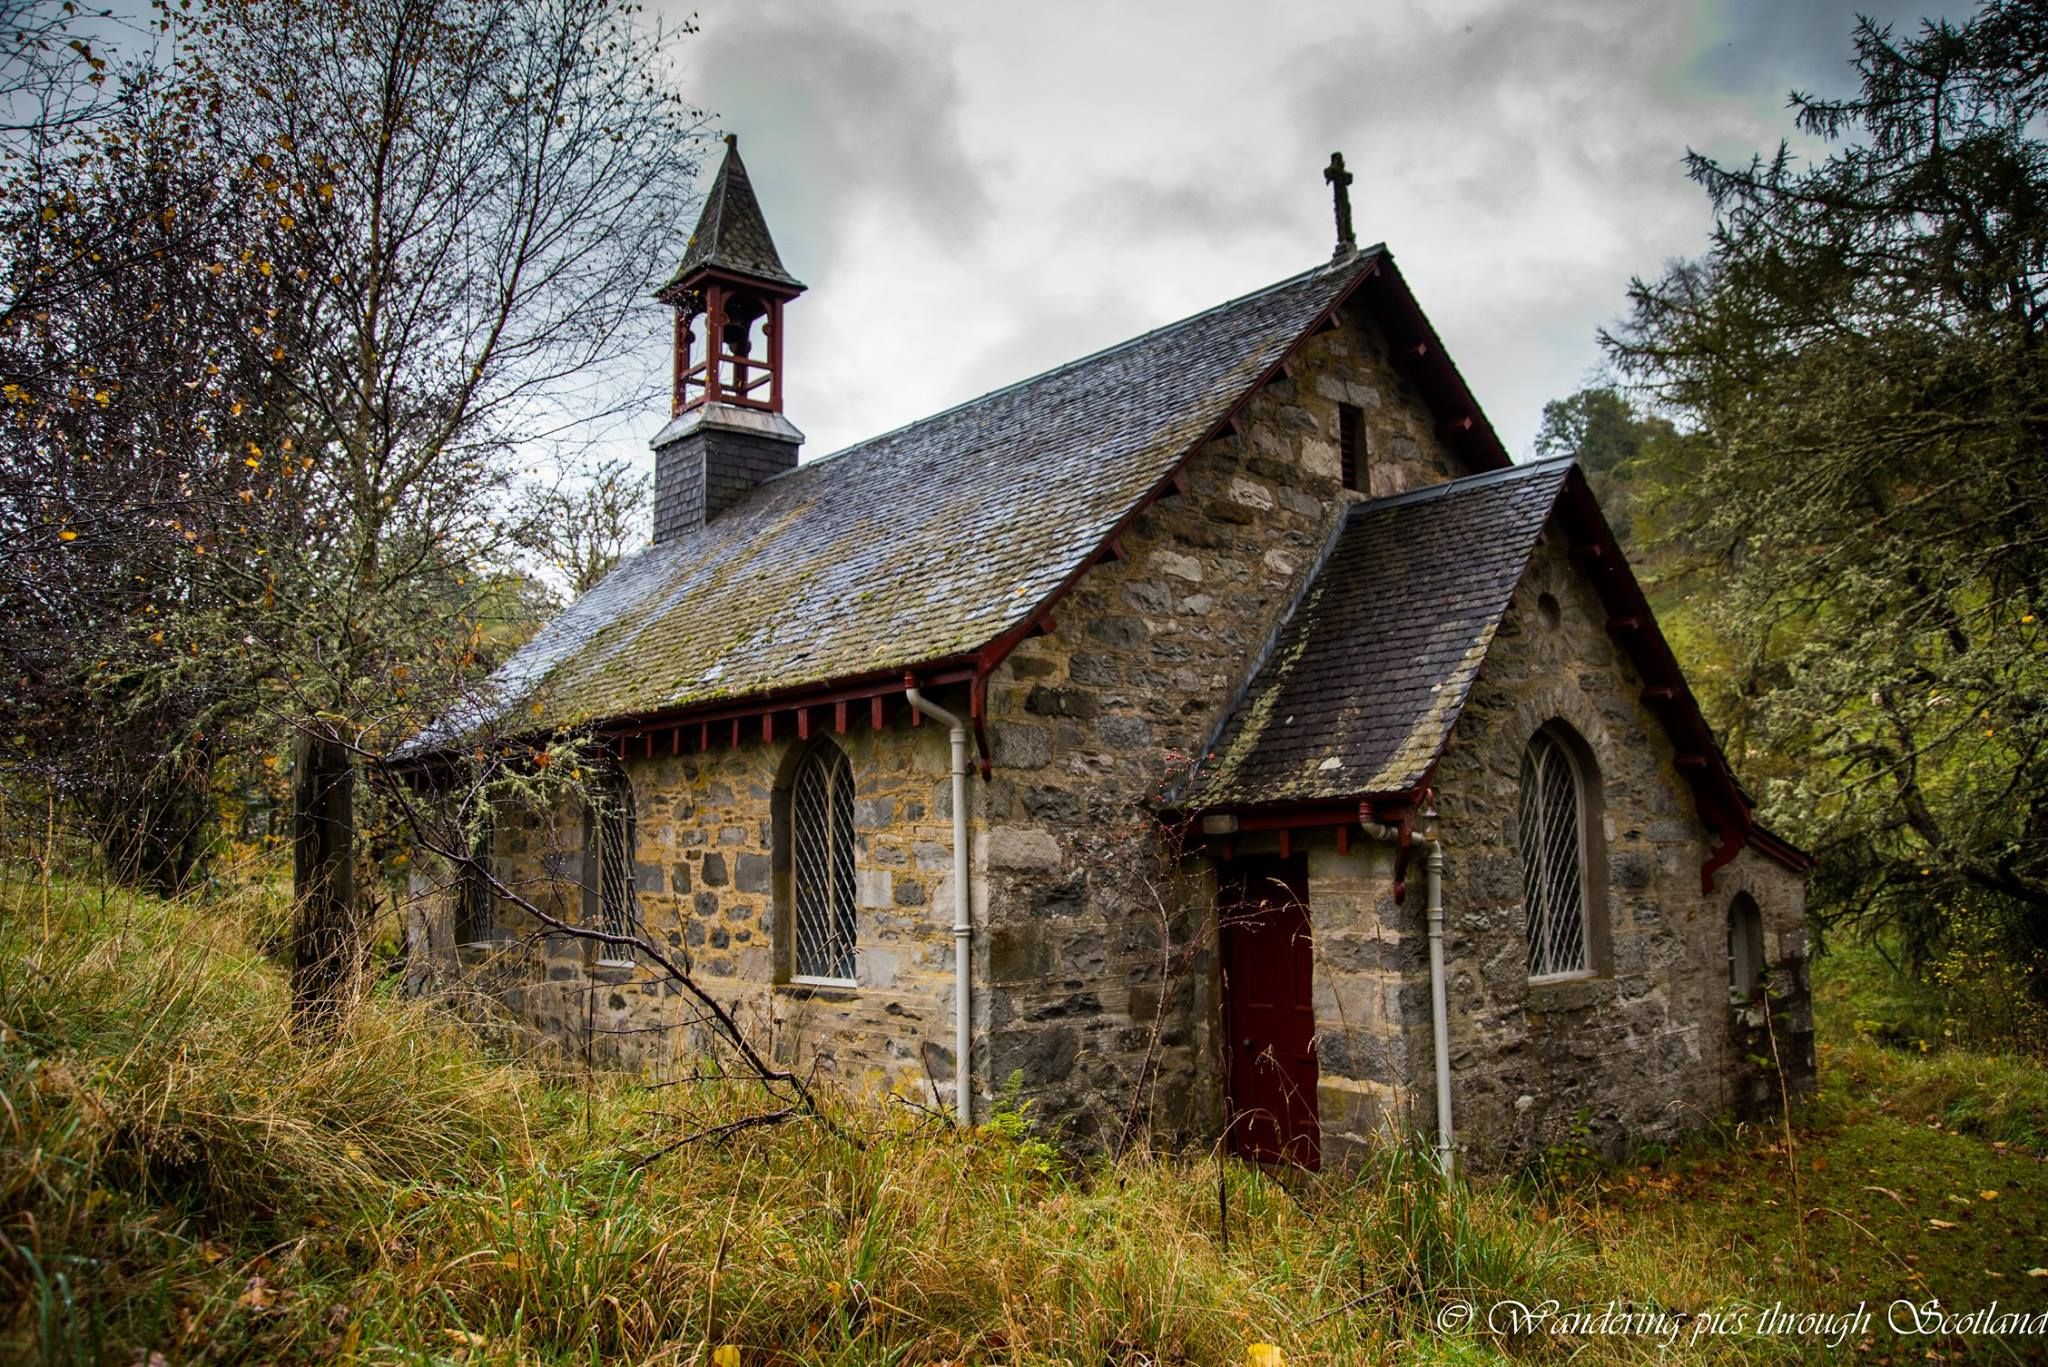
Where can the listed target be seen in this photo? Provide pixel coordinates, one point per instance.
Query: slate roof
(921, 545)
(731, 233)
(1367, 676)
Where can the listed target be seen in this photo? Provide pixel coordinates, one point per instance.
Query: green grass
(178, 1175)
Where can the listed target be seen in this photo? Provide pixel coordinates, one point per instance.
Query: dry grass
(177, 1175)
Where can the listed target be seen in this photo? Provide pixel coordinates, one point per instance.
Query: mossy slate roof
(921, 545)
(1365, 680)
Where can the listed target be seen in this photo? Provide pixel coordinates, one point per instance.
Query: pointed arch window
(474, 923)
(1554, 859)
(821, 867)
(609, 901)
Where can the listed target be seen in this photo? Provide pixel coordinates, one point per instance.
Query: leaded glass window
(1553, 859)
(821, 815)
(474, 923)
(609, 903)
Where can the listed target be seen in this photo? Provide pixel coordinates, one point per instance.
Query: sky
(977, 192)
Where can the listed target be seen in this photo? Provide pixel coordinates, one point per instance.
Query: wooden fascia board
(703, 275)
(851, 688)
(1305, 813)
(1719, 796)
(1437, 375)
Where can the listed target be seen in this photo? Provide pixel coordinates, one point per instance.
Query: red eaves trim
(1717, 795)
(831, 693)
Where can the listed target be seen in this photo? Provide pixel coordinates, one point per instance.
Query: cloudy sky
(975, 192)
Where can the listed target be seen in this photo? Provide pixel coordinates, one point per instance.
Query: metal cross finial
(1340, 190)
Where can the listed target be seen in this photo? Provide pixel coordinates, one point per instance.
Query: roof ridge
(1463, 484)
(1358, 262)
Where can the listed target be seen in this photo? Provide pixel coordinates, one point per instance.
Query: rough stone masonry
(1097, 986)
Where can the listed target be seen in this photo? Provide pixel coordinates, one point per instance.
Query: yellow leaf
(1264, 1355)
(725, 1355)
(1987, 1195)
(1941, 1224)
(2037, 1272)
(103, 398)
(67, 535)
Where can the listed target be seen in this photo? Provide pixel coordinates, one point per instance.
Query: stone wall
(1099, 965)
(1649, 1044)
(1093, 961)
(710, 878)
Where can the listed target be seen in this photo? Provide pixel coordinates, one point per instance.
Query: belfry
(726, 432)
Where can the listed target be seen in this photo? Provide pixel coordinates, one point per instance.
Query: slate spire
(731, 234)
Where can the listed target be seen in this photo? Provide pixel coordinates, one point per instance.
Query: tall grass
(178, 1174)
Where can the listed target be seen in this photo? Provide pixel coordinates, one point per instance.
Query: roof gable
(1366, 678)
(1368, 675)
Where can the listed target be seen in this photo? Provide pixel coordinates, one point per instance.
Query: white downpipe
(1439, 994)
(963, 921)
(1439, 1004)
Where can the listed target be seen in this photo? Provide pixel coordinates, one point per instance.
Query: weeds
(177, 1175)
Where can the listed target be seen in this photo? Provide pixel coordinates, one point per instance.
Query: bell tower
(726, 431)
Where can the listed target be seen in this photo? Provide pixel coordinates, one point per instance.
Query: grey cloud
(1210, 200)
(1765, 48)
(977, 192)
(845, 110)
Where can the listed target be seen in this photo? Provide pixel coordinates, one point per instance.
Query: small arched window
(821, 867)
(474, 924)
(1745, 947)
(1554, 859)
(609, 903)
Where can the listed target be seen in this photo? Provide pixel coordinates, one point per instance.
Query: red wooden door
(1268, 976)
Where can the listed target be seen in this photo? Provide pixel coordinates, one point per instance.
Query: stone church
(1218, 732)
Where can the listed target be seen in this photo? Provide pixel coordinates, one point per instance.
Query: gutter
(963, 921)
